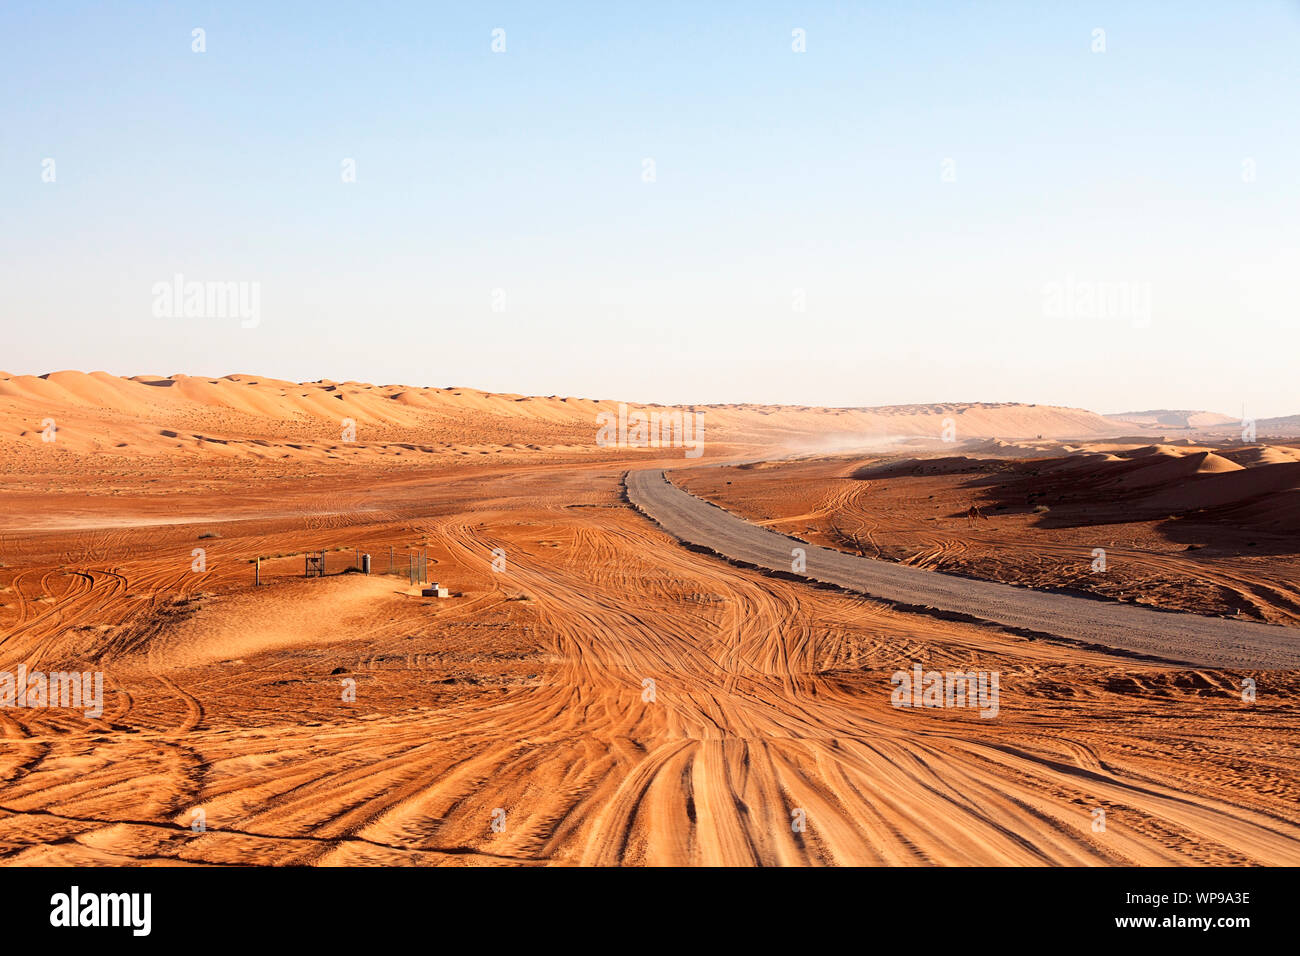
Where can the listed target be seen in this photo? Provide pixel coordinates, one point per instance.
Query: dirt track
(1176, 638)
(528, 694)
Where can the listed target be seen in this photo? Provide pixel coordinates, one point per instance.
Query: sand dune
(246, 416)
(248, 624)
(1151, 480)
(1256, 455)
(1240, 486)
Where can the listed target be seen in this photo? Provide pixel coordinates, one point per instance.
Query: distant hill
(1281, 425)
(255, 417)
(1174, 418)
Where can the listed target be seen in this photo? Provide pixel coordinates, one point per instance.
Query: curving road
(1177, 638)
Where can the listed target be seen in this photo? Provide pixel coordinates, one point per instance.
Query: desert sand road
(620, 699)
(1178, 638)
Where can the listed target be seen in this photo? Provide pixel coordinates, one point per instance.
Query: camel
(972, 513)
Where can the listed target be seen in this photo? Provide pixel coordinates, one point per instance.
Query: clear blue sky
(775, 171)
